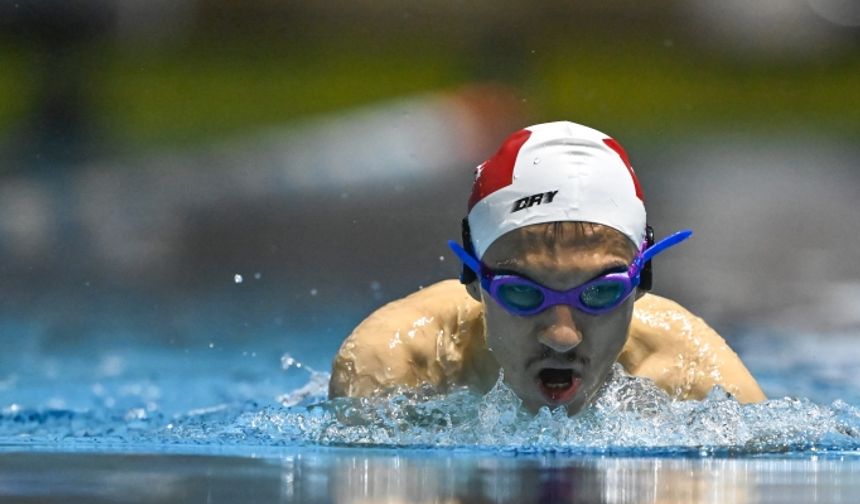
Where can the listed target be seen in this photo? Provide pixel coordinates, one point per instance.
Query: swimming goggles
(521, 296)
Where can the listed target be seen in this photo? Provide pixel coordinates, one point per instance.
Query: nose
(562, 333)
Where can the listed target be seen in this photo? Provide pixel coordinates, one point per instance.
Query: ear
(474, 290)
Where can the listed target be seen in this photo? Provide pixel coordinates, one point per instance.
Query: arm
(433, 336)
(682, 354)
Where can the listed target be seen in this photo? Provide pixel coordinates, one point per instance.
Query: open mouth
(558, 385)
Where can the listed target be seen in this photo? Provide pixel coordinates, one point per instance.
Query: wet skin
(442, 337)
(560, 356)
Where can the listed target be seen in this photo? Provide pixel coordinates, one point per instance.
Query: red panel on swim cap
(614, 145)
(498, 171)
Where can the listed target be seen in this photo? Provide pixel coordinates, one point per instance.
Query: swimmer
(553, 291)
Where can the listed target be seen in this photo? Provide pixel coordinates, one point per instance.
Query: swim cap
(559, 171)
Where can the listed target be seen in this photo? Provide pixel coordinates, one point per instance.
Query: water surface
(204, 419)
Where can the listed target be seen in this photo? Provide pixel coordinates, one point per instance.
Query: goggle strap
(468, 259)
(670, 241)
(665, 243)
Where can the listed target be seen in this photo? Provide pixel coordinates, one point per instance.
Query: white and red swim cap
(559, 171)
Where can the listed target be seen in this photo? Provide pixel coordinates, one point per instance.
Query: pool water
(312, 475)
(132, 420)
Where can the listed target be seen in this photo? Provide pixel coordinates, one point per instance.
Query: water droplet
(287, 362)
(211, 345)
(314, 292)
(375, 285)
(258, 275)
(237, 278)
(441, 258)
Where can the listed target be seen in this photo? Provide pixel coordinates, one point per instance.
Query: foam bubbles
(630, 415)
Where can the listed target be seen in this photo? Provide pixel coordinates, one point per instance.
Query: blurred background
(218, 172)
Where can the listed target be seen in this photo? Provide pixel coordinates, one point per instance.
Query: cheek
(609, 334)
(507, 335)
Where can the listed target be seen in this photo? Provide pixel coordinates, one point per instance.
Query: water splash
(316, 386)
(631, 415)
(288, 362)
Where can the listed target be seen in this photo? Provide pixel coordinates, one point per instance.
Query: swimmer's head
(556, 245)
(555, 172)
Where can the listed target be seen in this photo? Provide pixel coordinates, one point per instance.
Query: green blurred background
(151, 151)
(147, 74)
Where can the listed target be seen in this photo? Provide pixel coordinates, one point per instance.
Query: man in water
(556, 266)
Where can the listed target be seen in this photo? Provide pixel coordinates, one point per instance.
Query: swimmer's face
(561, 356)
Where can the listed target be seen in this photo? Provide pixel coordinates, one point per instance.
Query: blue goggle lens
(602, 294)
(521, 297)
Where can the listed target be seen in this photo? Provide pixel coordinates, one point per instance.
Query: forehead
(557, 253)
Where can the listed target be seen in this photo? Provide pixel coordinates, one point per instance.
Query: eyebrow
(612, 268)
(505, 271)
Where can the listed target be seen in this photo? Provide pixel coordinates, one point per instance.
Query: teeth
(557, 385)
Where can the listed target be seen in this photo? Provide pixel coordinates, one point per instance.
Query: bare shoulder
(427, 337)
(682, 354)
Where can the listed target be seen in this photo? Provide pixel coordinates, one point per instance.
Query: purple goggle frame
(622, 284)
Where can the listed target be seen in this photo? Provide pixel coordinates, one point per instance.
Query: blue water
(211, 395)
(227, 405)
